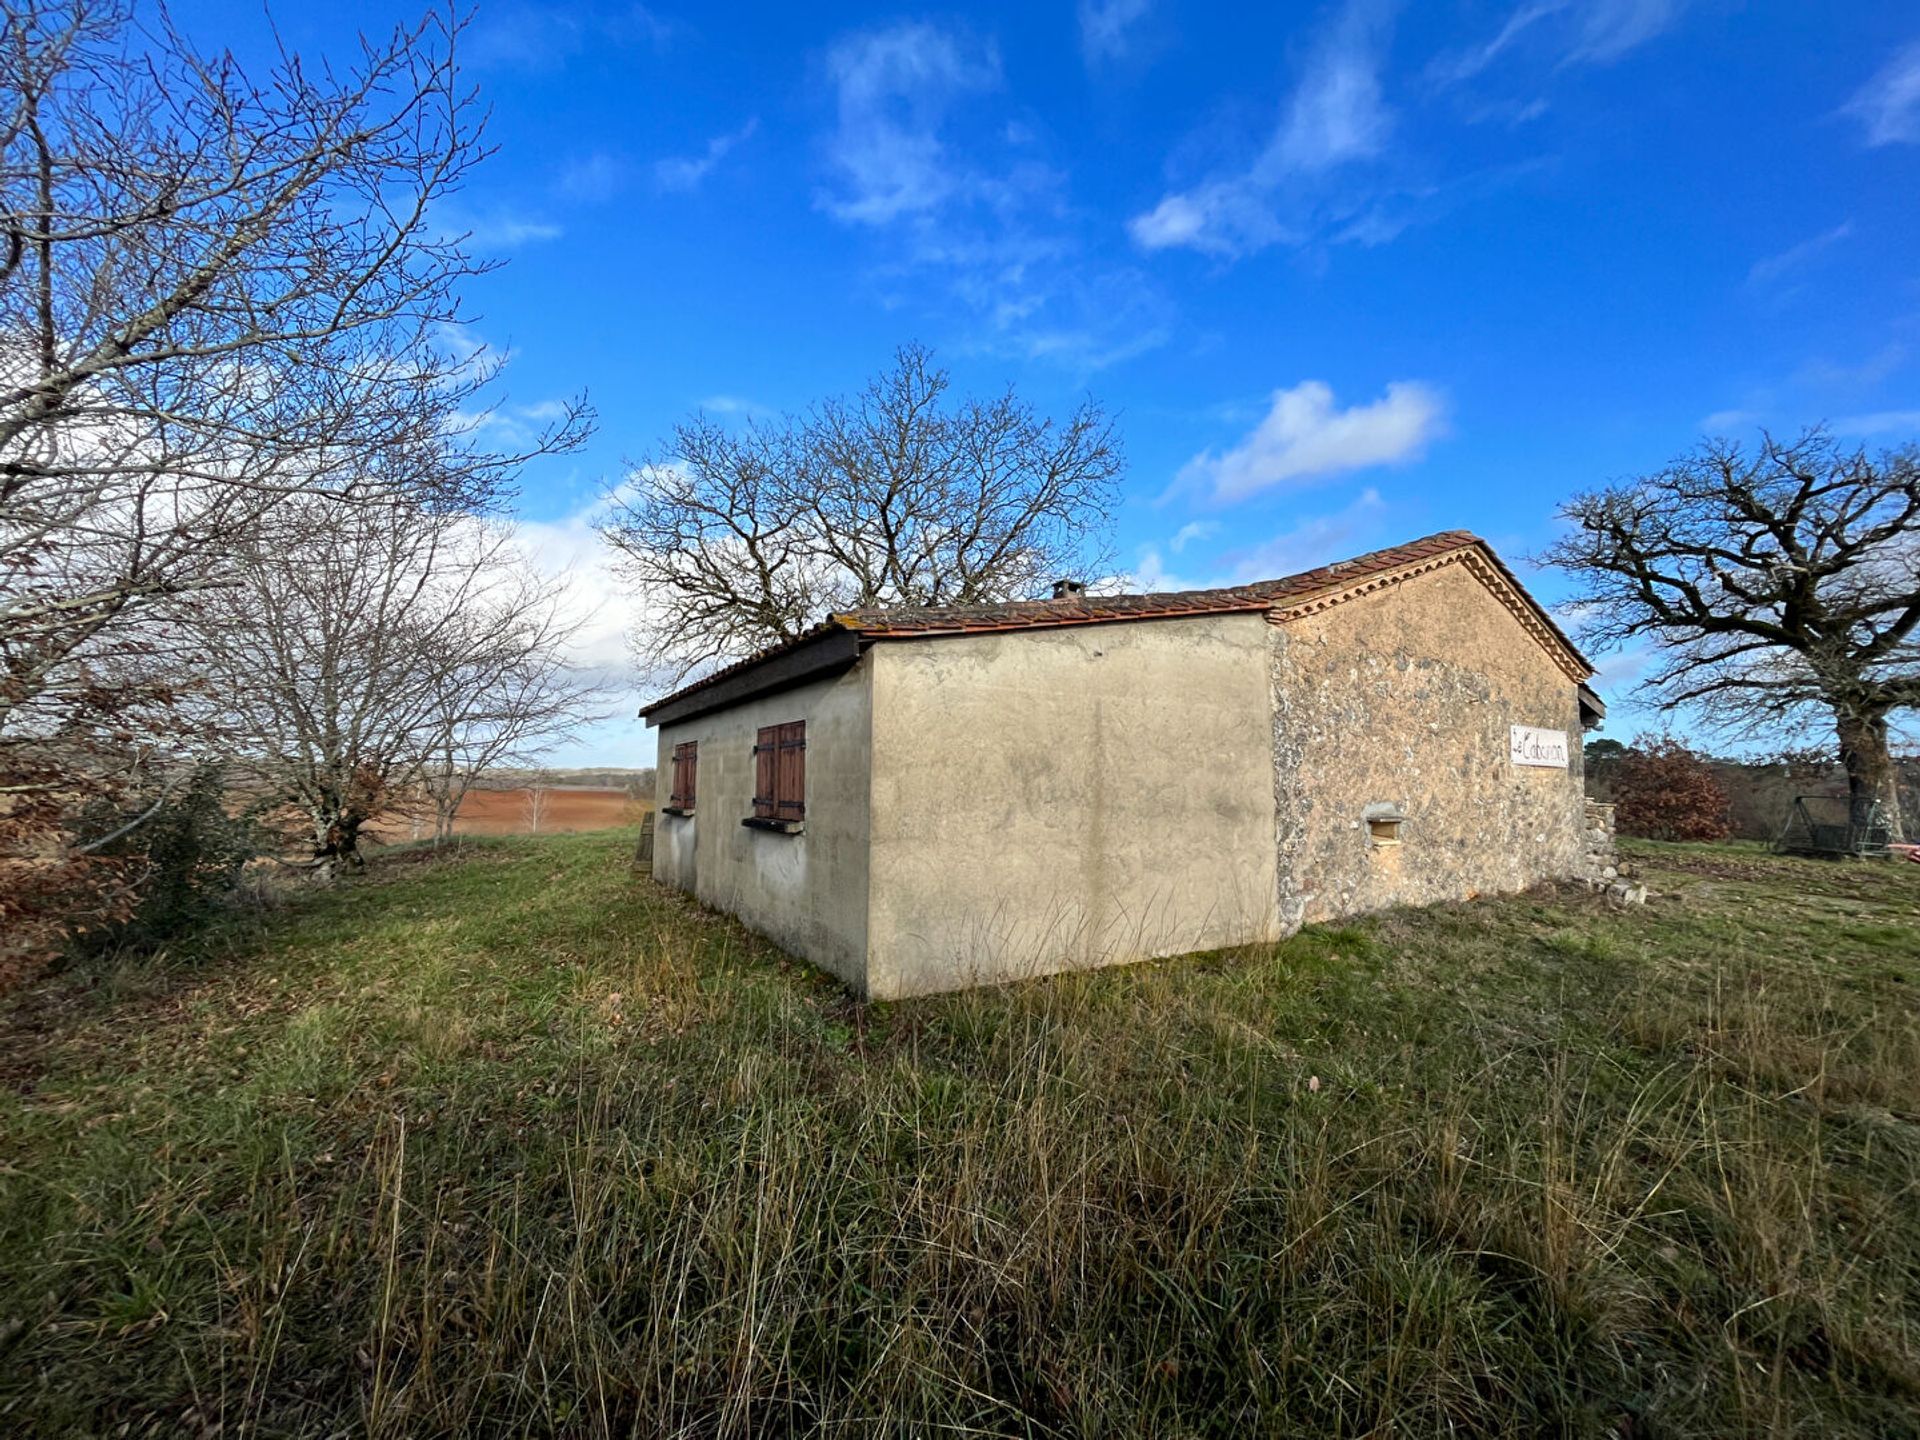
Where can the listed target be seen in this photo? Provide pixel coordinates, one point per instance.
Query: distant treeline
(1758, 793)
(638, 781)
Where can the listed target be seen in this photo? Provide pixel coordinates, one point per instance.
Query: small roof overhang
(815, 657)
(1592, 708)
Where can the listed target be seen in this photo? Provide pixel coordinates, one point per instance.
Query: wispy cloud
(923, 155)
(1316, 541)
(1825, 374)
(592, 178)
(1337, 116)
(496, 227)
(1108, 27)
(1306, 437)
(1905, 423)
(683, 173)
(1888, 105)
(522, 36)
(894, 89)
(1605, 30)
(735, 405)
(1562, 33)
(1773, 267)
(1725, 422)
(1462, 65)
(1193, 530)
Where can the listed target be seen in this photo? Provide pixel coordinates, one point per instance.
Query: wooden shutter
(685, 775)
(766, 757)
(790, 791)
(780, 772)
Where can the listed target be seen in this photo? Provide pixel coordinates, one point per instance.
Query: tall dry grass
(513, 1146)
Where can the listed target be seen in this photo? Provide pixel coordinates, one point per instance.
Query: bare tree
(506, 698)
(900, 495)
(1775, 585)
(214, 291)
(359, 639)
(535, 805)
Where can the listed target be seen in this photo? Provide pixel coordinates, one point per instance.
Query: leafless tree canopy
(370, 648)
(1774, 584)
(900, 495)
(215, 290)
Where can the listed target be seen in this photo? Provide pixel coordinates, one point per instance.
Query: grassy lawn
(515, 1144)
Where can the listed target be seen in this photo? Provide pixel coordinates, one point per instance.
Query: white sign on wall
(1530, 745)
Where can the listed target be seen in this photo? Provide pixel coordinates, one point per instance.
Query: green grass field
(515, 1144)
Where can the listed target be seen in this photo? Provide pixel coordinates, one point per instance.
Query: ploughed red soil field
(511, 812)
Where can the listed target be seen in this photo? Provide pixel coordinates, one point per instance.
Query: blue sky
(1347, 273)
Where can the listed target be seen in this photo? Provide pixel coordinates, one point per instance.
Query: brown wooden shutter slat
(685, 772)
(766, 754)
(792, 794)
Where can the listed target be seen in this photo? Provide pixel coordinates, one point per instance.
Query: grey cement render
(1052, 799)
(1404, 697)
(805, 892)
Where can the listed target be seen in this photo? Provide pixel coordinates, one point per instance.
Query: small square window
(1383, 823)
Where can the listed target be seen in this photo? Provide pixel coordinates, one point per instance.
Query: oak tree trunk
(1871, 776)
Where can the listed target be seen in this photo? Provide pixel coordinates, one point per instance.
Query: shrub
(1662, 790)
(183, 860)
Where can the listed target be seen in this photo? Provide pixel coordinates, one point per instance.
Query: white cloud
(1821, 373)
(569, 552)
(685, 172)
(1106, 28)
(1336, 117)
(1192, 531)
(1888, 105)
(1305, 437)
(497, 228)
(735, 405)
(1607, 29)
(1722, 422)
(1469, 63)
(959, 193)
(1317, 541)
(894, 88)
(1312, 543)
(1337, 114)
(591, 178)
(1572, 32)
(547, 37)
(1881, 422)
(1772, 267)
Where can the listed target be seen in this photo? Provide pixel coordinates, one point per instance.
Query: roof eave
(815, 656)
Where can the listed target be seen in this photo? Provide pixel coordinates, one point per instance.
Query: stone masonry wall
(1400, 701)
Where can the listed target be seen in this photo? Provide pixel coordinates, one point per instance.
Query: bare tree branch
(896, 496)
(1772, 585)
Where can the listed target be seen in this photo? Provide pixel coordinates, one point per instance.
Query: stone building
(925, 799)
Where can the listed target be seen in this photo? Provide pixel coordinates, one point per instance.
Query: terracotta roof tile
(906, 622)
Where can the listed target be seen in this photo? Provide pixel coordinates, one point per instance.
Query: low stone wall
(1601, 867)
(1600, 864)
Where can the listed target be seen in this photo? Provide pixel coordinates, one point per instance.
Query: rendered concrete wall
(1060, 798)
(805, 892)
(1405, 697)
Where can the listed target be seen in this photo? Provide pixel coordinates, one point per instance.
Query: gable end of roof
(1480, 561)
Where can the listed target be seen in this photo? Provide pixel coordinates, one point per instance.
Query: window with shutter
(686, 768)
(780, 776)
